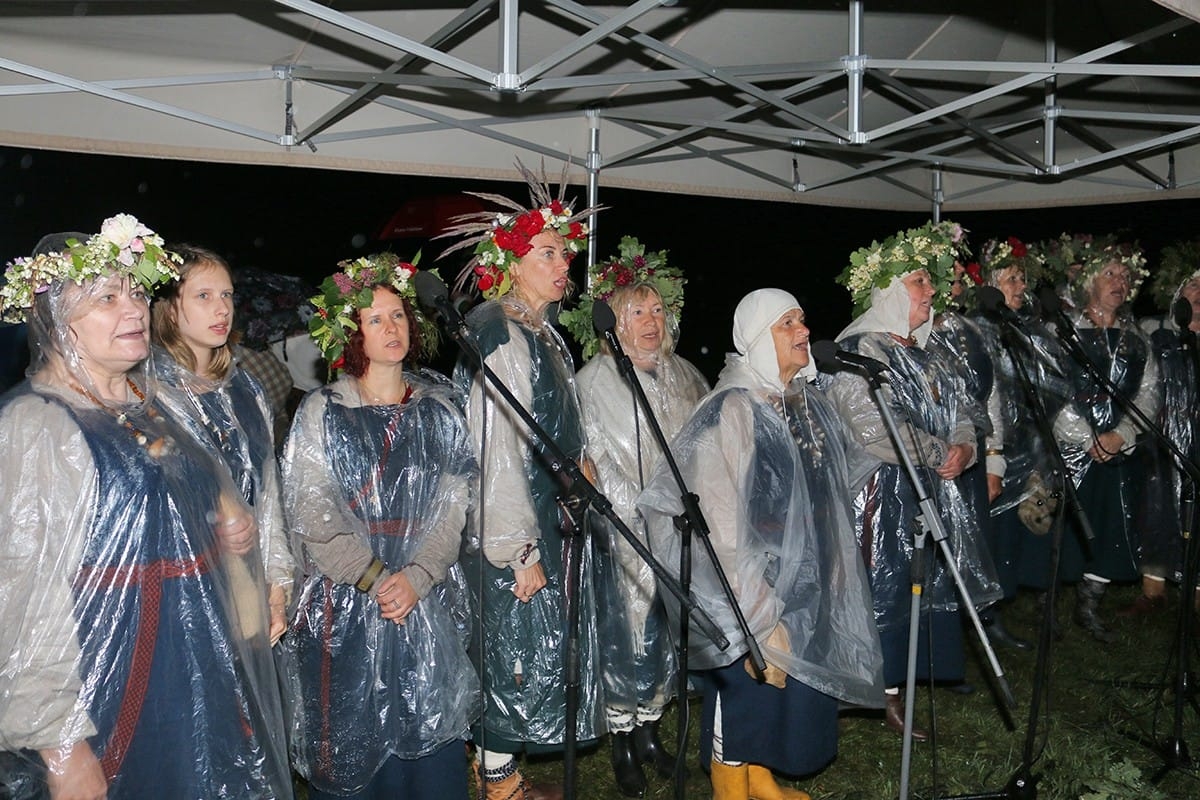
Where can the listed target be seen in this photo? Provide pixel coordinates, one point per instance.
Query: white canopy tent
(905, 105)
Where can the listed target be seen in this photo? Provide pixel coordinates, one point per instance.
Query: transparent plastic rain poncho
(1043, 360)
(125, 619)
(776, 495)
(1165, 485)
(926, 391)
(625, 451)
(231, 417)
(393, 482)
(1123, 354)
(959, 342)
(518, 523)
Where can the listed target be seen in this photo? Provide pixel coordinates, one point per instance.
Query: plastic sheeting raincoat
(232, 419)
(123, 620)
(774, 472)
(518, 523)
(625, 452)
(1109, 492)
(393, 482)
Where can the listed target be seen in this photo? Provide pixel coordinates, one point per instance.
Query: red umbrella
(428, 216)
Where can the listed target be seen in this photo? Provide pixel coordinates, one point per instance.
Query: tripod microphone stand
(1022, 785)
(690, 523)
(578, 495)
(930, 522)
(1174, 751)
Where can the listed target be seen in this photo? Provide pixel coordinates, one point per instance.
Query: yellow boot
(763, 786)
(730, 783)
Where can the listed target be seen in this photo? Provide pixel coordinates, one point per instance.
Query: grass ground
(1100, 709)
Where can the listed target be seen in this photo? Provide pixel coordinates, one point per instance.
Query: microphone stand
(929, 521)
(578, 494)
(1023, 783)
(690, 522)
(1174, 751)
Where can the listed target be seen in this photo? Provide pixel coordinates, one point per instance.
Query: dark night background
(302, 221)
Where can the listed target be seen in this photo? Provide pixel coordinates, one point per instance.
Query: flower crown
(634, 266)
(1180, 264)
(1059, 255)
(933, 247)
(345, 293)
(1128, 254)
(123, 246)
(998, 254)
(501, 239)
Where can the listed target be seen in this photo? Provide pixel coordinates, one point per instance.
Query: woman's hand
(396, 598)
(957, 458)
(995, 486)
(1106, 447)
(74, 773)
(236, 528)
(277, 604)
(528, 582)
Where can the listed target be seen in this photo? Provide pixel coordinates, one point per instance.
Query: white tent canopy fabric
(902, 105)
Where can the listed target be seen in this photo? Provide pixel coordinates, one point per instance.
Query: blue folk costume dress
(1021, 555)
(774, 470)
(522, 658)
(1109, 492)
(232, 419)
(1162, 542)
(393, 482)
(137, 627)
(926, 397)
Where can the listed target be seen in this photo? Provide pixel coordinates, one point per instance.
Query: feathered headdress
(501, 238)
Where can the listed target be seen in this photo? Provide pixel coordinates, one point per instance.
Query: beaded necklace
(160, 447)
(811, 441)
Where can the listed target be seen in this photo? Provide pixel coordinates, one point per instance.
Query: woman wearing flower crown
(1016, 457)
(378, 478)
(646, 296)
(135, 664)
(519, 549)
(1098, 437)
(1175, 290)
(897, 286)
(221, 404)
(774, 469)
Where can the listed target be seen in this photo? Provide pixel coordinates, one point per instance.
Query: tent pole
(936, 195)
(854, 72)
(593, 185)
(1050, 94)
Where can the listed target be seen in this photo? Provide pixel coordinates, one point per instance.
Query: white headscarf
(888, 313)
(752, 322)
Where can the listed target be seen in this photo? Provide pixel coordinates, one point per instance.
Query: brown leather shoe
(543, 791)
(1144, 604)
(893, 717)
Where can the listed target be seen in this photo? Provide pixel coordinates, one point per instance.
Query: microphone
(1051, 303)
(1181, 312)
(605, 323)
(828, 357)
(433, 297)
(991, 300)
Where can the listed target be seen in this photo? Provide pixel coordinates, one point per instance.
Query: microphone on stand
(434, 298)
(605, 323)
(991, 300)
(1181, 313)
(829, 357)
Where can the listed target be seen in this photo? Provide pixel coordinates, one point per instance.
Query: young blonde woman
(222, 405)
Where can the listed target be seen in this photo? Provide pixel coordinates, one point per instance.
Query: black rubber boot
(993, 623)
(650, 749)
(631, 781)
(1087, 610)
